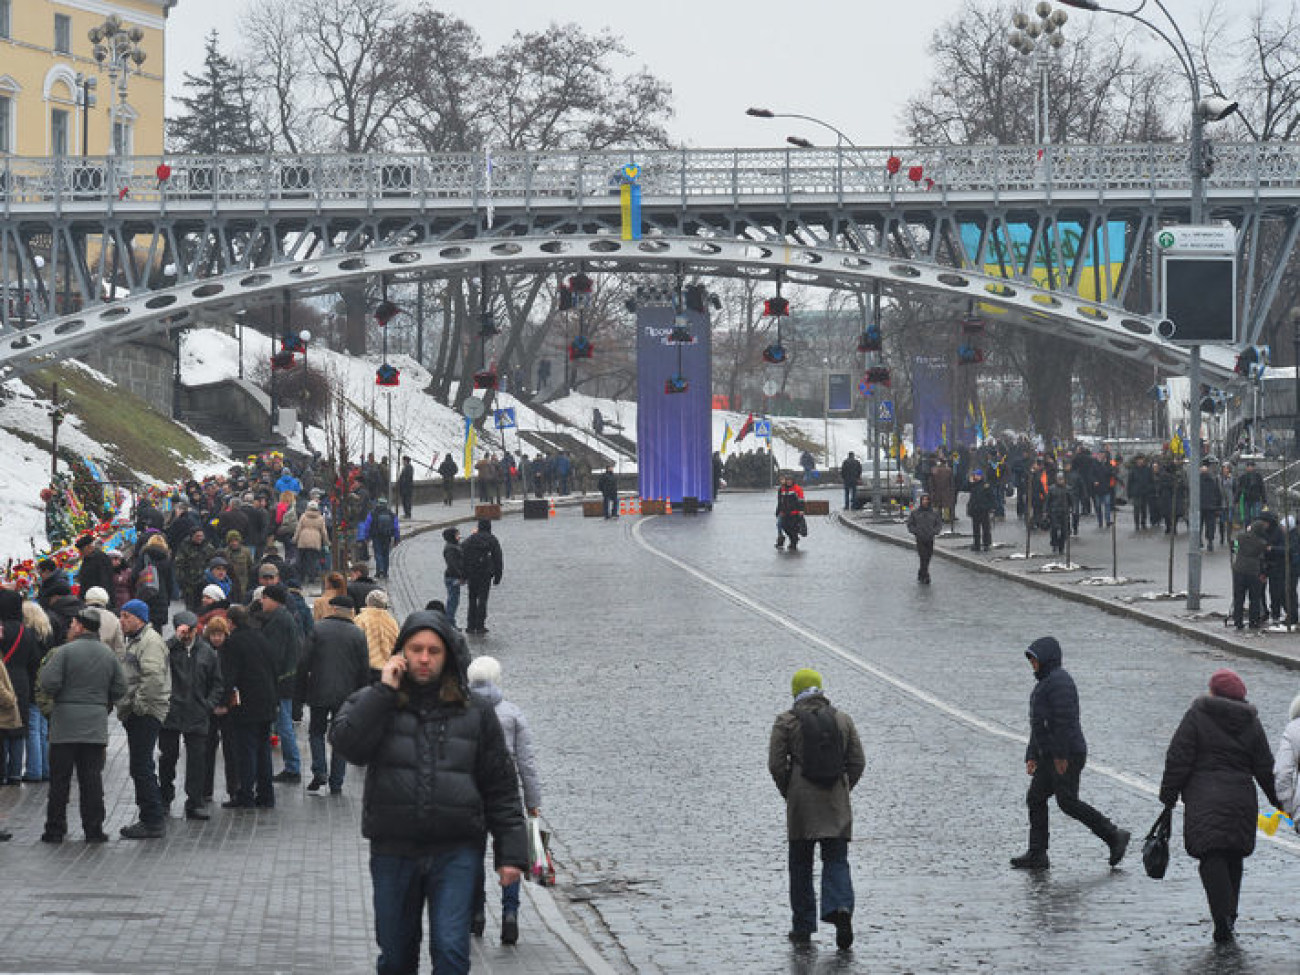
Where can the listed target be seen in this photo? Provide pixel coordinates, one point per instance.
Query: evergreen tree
(217, 114)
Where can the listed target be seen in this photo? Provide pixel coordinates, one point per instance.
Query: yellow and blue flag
(471, 436)
(727, 434)
(630, 201)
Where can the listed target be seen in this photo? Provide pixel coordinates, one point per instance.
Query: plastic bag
(540, 866)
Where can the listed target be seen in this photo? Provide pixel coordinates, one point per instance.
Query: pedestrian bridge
(95, 251)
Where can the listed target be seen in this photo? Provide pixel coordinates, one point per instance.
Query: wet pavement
(651, 656)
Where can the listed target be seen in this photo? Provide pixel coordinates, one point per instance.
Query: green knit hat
(804, 679)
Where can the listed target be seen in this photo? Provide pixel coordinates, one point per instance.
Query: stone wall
(146, 367)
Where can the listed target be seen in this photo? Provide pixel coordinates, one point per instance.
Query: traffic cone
(551, 513)
(668, 506)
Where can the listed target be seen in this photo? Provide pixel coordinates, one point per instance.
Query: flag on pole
(984, 422)
(745, 428)
(1176, 446)
(727, 434)
(629, 193)
(471, 435)
(487, 181)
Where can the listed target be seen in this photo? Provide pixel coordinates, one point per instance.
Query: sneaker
(316, 782)
(1031, 860)
(843, 922)
(477, 924)
(287, 776)
(1118, 846)
(142, 831)
(509, 929)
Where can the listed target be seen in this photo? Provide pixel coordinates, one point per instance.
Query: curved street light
(119, 46)
(841, 140)
(1039, 40)
(1211, 109)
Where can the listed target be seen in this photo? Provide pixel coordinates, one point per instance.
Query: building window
(121, 138)
(5, 8)
(58, 132)
(6, 123)
(62, 34)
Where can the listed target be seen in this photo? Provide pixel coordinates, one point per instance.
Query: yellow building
(49, 72)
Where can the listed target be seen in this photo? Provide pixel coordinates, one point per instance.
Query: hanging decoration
(388, 375)
(778, 308)
(877, 375)
(576, 294)
(385, 312)
(871, 340)
(969, 355)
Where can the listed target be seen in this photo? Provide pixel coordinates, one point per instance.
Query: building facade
(56, 99)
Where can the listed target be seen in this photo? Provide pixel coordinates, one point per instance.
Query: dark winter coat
(83, 678)
(1251, 487)
(607, 484)
(1060, 502)
(54, 585)
(359, 589)
(981, 499)
(1219, 747)
(851, 470)
(438, 773)
(490, 566)
(1141, 481)
(1054, 729)
(925, 523)
(96, 570)
(813, 812)
(25, 661)
(248, 666)
(282, 634)
(197, 686)
(337, 662)
(1211, 496)
(1248, 560)
(454, 561)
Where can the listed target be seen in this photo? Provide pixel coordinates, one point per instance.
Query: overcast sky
(851, 62)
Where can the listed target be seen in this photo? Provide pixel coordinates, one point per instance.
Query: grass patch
(136, 437)
(797, 439)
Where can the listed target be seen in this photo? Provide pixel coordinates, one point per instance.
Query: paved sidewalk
(1140, 590)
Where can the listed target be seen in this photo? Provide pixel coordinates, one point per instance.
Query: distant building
(45, 58)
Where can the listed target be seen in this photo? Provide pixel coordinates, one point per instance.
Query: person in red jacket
(790, 521)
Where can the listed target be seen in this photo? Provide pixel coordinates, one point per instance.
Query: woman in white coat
(1285, 764)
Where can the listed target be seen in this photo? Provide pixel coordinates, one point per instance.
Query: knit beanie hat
(137, 608)
(213, 592)
(96, 596)
(804, 679)
(1226, 683)
(484, 670)
(377, 598)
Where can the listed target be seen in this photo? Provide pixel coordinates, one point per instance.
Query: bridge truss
(103, 250)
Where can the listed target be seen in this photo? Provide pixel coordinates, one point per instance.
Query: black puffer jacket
(1054, 730)
(248, 666)
(1219, 747)
(197, 685)
(438, 773)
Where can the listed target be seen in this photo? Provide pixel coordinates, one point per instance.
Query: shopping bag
(541, 867)
(1155, 848)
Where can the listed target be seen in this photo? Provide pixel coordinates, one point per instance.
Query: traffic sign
(473, 407)
(505, 419)
(763, 428)
(1211, 239)
(885, 412)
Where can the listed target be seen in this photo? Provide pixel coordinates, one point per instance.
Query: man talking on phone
(437, 773)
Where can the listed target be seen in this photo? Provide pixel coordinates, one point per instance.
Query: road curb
(1091, 599)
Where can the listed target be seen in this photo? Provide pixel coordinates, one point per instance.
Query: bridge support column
(1194, 483)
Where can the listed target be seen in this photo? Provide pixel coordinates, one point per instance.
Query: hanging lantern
(915, 173)
(387, 375)
(969, 355)
(871, 340)
(282, 360)
(580, 348)
(878, 375)
(892, 165)
(676, 383)
(777, 307)
(385, 312)
(774, 354)
(972, 326)
(487, 379)
(292, 342)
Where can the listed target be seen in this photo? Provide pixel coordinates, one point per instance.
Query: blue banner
(674, 429)
(931, 403)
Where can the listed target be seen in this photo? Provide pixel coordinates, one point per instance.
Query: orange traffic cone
(668, 506)
(551, 513)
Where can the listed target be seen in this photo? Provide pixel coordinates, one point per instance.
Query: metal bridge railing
(591, 178)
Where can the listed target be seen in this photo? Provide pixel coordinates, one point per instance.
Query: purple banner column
(931, 404)
(674, 430)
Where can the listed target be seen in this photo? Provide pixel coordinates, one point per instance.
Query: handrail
(589, 179)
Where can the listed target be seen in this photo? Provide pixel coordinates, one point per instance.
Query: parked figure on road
(850, 474)
(284, 638)
(426, 810)
(483, 565)
(1055, 759)
(1248, 573)
(925, 524)
(608, 485)
(312, 539)
(484, 676)
(20, 651)
(815, 757)
(448, 470)
(197, 688)
(1218, 749)
(453, 573)
(790, 521)
(142, 709)
(1141, 486)
(1287, 764)
(335, 665)
(221, 730)
(979, 508)
(84, 679)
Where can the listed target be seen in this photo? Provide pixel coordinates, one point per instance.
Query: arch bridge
(96, 251)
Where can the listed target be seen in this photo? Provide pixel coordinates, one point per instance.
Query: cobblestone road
(653, 658)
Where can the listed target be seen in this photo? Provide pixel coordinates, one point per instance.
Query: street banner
(674, 429)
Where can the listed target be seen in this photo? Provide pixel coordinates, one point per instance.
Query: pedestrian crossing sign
(505, 419)
(763, 428)
(886, 411)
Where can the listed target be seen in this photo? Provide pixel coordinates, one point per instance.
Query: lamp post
(841, 140)
(87, 83)
(1211, 109)
(1294, 315)
(118, 46)
(1039, 40)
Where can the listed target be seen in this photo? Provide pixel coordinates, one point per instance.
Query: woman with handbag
(1218, 749)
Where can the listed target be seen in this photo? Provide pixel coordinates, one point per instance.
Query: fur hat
(1226, 683)
(96, 596)
(377, 598)
(484, 670)
(804, 679)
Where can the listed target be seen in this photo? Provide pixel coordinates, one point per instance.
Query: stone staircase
(231, 413)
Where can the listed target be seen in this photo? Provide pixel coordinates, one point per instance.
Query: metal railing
(592, 178)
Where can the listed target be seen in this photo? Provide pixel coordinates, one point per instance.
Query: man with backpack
(816, 758)
(382, 531)
(482, 564)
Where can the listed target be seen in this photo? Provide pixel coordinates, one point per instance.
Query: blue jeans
(382, 547)
(1102, 503)
(509, 893)
(453, 598)
(11, 754)
(837, 883)
(38, 745)
(142, 741)
(403, 886)
(850, 495)
(336, 767)
(288, 740)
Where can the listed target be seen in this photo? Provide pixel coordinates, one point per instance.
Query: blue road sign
(505, 419)
(886, 411)
(763, 428)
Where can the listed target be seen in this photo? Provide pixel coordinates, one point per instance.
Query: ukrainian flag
(727, 434)
(471, 435)
(630, 199)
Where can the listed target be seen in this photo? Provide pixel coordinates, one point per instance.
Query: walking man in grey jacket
(84, 678)
(143, 708)
(815, 757)
(925, 524)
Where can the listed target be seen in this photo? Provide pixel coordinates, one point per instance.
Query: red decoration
(124, 192)
(915, 173)
(163, 172)
(892, 165)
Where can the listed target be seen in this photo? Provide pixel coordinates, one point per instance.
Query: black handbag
(1155, 848)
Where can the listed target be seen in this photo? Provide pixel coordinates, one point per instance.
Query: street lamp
(841, 140)
(1039, 40)
(1212, 109)
(119, 47)
(87, 83)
